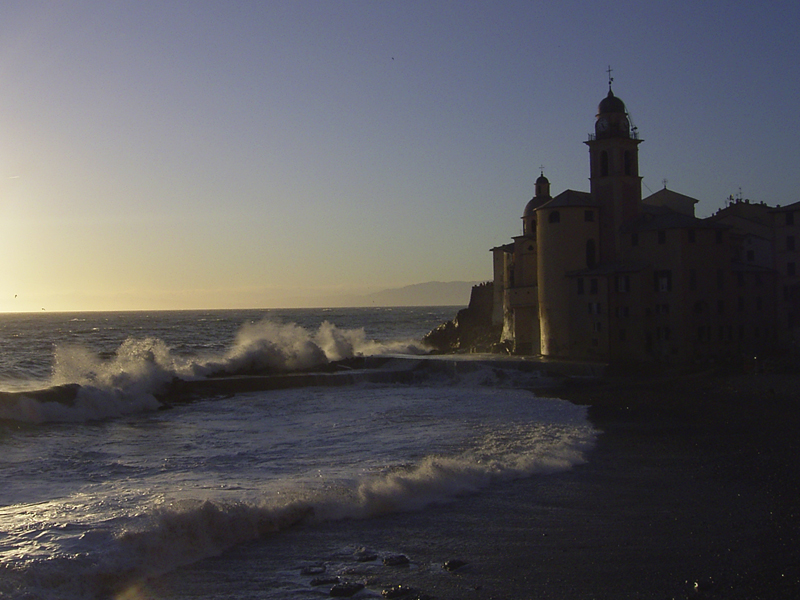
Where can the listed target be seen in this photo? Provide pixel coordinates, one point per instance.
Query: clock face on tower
(623, 125)
(602, 125)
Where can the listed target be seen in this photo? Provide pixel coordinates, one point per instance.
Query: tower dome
(611, 104)
(612, 119)
(542, 181)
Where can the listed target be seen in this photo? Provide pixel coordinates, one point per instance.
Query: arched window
(604, 163)
(591, 258)
(628, 163)
(555, 217)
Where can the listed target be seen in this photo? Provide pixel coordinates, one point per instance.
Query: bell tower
(614, 172)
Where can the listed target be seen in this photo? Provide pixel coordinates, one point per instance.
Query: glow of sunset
(276, 154)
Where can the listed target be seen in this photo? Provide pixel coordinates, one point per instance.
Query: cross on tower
(610, 78)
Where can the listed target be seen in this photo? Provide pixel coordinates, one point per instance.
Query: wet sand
(691, 492)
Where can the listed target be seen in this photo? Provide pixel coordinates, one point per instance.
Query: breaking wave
(86, 386)
(185, 531)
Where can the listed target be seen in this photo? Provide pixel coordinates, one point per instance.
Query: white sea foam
(130, 380)
(89, 404)
(400, 450)
(187, 531)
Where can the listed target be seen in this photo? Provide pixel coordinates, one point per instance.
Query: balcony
(634, 135)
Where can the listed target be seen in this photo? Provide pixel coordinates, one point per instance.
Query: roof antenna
(610, 78)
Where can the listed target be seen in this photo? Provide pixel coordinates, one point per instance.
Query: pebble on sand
(453, 564)
(347, 589)
(397, 591)
(397, 560)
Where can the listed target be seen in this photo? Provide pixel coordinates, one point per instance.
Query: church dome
(531, 206)
(611, 104)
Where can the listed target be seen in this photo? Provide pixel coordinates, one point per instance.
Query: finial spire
(541, 170)
(610, 78)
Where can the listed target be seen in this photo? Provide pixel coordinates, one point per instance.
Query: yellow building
(609, 276)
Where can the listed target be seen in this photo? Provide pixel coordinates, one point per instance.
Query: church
(609, 276)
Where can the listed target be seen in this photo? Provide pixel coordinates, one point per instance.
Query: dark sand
(691, 492)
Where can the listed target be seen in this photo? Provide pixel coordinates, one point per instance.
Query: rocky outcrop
(472, 329)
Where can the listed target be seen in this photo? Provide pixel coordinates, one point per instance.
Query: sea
(113, 487)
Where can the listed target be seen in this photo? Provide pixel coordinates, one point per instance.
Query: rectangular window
(663, 281)
(790, 242)
(719, 237)
(790, 268)
(580, 286)
(623, 283)
(593, 286)
(790, 218)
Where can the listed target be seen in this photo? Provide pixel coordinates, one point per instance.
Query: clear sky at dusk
(190, 154)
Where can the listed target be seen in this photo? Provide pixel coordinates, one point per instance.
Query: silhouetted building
(610, 276)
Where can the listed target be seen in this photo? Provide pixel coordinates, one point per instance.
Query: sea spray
(88, 386)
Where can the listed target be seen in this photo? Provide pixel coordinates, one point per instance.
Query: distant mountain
(432, 293)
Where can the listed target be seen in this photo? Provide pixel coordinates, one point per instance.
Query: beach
(680, 499)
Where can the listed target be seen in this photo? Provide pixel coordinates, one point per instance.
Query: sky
(233, 154)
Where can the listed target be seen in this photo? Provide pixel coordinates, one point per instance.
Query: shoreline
(683, 496)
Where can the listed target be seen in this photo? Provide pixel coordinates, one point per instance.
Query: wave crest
(87, 386)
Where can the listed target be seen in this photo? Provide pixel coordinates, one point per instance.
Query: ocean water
(110, 487)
